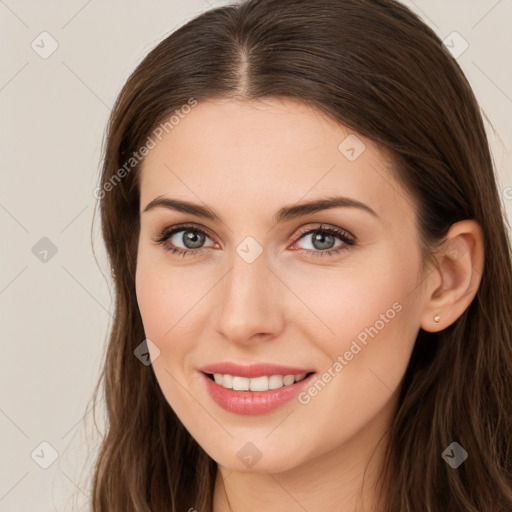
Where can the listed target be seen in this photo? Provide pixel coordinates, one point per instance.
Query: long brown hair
(375, 67)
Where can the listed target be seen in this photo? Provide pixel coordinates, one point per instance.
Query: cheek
(370, 317)
(155, 296)
(174, 309)
(161, 306)
(152, 302)
(166, 295)
(349, 300)
(366, 361)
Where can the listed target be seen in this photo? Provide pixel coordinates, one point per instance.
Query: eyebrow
(284, 214)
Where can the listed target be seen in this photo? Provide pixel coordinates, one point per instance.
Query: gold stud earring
(436, 319)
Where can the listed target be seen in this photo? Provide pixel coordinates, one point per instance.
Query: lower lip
(253, 402)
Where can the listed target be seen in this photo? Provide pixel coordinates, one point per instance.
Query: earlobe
(460, 265)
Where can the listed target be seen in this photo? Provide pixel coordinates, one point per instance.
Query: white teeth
(258, 384)
(227, 381)
(240, 383)
(288, 379)
(263, 383)
(275, 382)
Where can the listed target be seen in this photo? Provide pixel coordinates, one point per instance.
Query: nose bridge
(248, 301)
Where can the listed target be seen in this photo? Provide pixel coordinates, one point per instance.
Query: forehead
(269, 152)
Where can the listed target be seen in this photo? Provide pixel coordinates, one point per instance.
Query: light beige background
(55, 313)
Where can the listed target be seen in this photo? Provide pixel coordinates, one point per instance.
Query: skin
(246, 160)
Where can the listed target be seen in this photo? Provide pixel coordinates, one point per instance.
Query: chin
(245, 457)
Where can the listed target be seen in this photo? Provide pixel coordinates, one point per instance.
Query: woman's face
(261, 287)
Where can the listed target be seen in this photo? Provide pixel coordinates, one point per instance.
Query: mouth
(258, 384)
(254, 395)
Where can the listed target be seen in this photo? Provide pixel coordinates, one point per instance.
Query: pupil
(196, 239)
(322, 237)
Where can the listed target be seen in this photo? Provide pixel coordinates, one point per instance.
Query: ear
(454, 282)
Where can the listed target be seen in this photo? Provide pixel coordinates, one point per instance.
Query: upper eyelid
(172, 230)
(327, 227)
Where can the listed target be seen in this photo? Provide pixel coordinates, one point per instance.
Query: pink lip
(254, 402)
(253, 370)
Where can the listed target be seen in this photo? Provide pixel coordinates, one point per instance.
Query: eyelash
(347, 239)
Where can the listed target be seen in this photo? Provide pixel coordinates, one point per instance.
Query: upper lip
(253, 370)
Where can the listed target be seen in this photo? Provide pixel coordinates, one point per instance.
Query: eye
(191, 237)
(323, 240)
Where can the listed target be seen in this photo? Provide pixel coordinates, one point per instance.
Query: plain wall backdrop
(62, 66)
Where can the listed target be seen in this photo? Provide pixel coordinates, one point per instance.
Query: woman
(312, 271)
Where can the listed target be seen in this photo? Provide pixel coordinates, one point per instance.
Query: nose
(250, 300)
